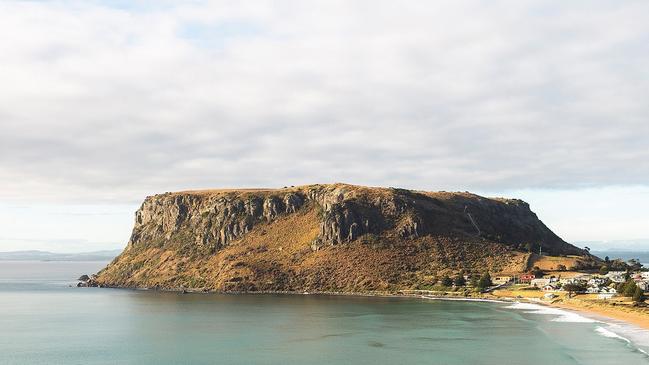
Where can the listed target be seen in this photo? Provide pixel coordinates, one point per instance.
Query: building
(539, 282)
(503, 279)
(526, 278)
(596, 281)
(550, 287)
(583, 277)
(616, 276)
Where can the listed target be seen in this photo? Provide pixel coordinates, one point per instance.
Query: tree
(630, 288)
(573, 288)
(474, 280)
(538, 273)
(619, 287)
(447, 281)
(459, 280)
(635, 265)
(603, 270)
(638, 295)
(485, 281)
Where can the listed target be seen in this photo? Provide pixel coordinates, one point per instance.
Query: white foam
(560, 314)
(610, 334)
(632, 331)
(464, 299)
(636, 335)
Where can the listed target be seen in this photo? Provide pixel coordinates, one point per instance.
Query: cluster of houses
(602, 285)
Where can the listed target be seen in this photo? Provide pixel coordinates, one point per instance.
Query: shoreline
(587, 309)
(594, 310)
(633, 318)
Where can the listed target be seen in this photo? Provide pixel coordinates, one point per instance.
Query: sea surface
(642, 256)
(45, 321)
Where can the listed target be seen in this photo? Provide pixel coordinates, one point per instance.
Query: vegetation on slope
(324, 238)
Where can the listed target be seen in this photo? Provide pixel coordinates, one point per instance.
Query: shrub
(485, 281)
(630, 288)
(638, 295)
(459, 280)
(574, 288)
(447, 281)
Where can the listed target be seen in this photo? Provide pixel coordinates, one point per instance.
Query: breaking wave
(560, 314)
(633, 336)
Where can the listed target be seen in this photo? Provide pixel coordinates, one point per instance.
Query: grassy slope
(277, 256)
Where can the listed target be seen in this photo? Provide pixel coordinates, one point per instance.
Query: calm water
(43, 321)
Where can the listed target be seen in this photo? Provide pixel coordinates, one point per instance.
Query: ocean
(43, 320)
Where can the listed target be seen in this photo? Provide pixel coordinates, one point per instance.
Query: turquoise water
(43, 321)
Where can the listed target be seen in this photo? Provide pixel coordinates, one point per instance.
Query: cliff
(334, 237)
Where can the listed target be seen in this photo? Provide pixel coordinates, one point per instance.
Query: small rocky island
(324, 238)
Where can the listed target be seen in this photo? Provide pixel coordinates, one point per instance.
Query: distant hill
(642, 256)
(637, 245)
(335, 237)
(35, 255)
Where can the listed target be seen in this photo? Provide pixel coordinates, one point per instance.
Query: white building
(502, 279)
(539, 283)
(616, 276)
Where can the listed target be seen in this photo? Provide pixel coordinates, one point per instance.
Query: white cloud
(99, 103)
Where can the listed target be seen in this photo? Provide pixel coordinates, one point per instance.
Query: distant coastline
(641, 255)
(35, 255)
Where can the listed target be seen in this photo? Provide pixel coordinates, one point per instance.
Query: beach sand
(616, 309)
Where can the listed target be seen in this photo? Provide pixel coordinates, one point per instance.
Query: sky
(103, 103)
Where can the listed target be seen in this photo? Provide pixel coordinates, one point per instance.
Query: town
(615, 281)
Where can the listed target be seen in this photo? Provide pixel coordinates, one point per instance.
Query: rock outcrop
(310, 238)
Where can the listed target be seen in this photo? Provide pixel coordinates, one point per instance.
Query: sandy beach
(615, 309)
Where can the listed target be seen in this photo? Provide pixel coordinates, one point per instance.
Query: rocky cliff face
(289, 239)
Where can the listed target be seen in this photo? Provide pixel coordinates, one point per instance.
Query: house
(582, 277)
(616, 276)
(540, 282)
(637, 277)
(526, 278)
(596, 281)
(550, 287)
(592, 290)
(499, 280)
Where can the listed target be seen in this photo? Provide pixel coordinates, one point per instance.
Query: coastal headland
(357, 240)
(327, 237)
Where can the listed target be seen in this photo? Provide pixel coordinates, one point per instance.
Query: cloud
(110, 103)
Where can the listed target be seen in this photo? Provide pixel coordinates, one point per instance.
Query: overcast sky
(103, 103)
